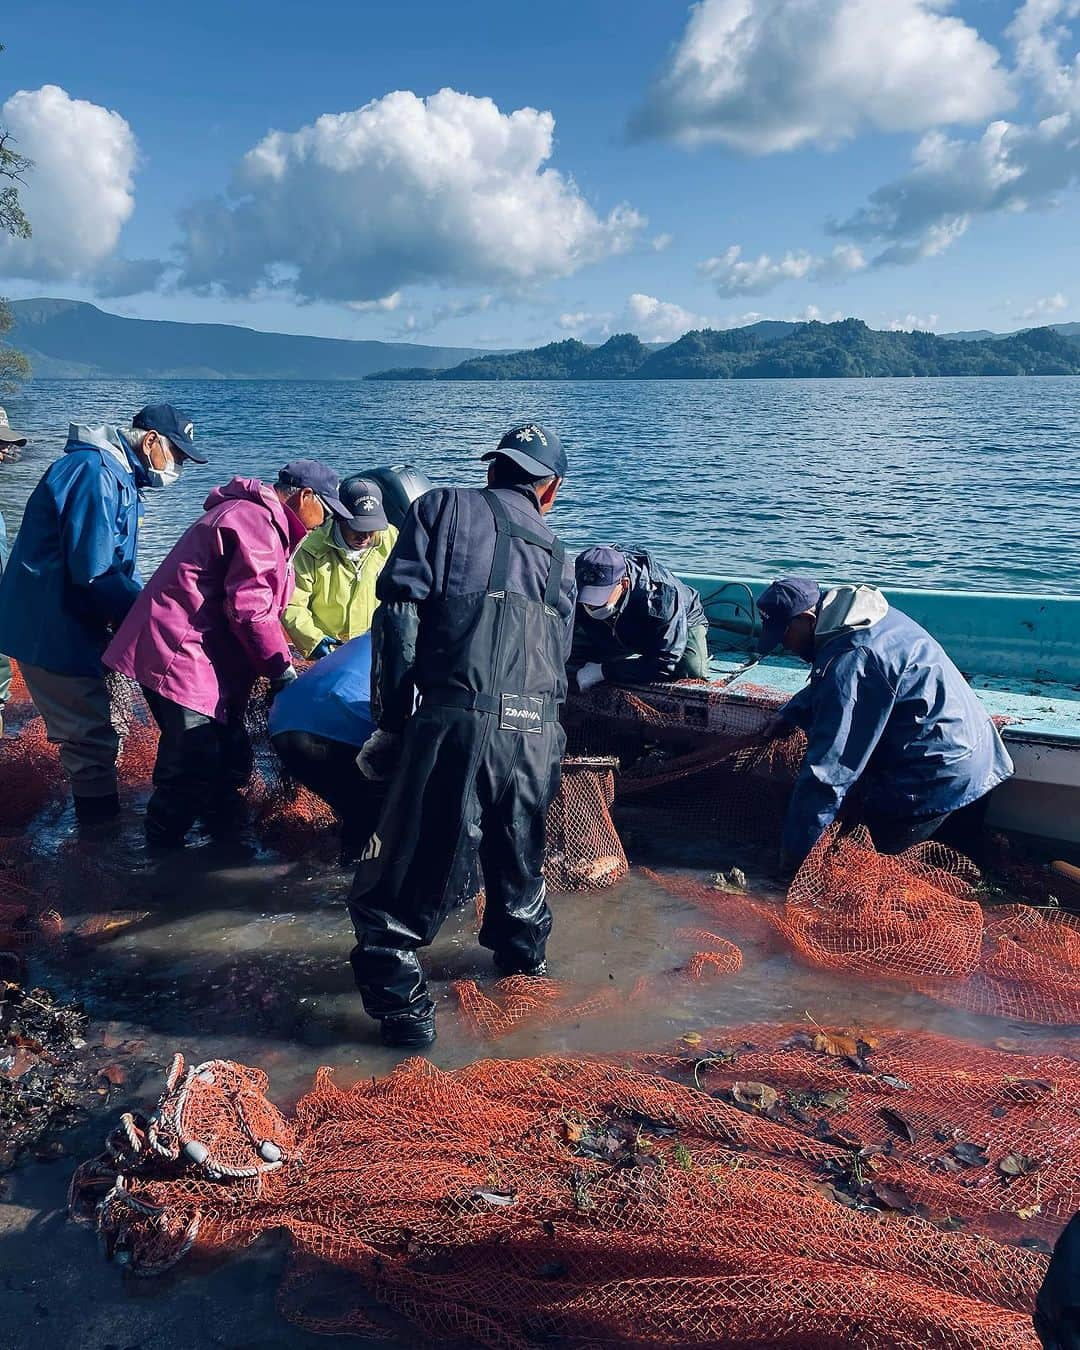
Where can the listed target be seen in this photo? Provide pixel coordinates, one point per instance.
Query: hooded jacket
(649, 634)
(72, 574)
(209, 621)
(334, 596)
(887, 707)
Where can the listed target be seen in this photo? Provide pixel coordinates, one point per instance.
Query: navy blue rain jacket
(886, 705)
(72, 575)
(445, 549)
(649, 636)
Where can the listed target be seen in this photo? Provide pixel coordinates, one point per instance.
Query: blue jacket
(649, 634)
(332, 698)
(72, 575)
(885, 705)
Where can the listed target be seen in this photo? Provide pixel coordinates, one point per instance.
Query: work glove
(324, 648)
(277, 685)
(378, 755)
(588, 675)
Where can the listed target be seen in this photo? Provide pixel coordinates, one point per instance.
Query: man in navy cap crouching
(636, 621)
(885, 709)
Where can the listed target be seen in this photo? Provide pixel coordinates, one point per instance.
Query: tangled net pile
(766, 1188)
(917, 918)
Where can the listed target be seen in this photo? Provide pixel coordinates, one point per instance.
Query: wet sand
(244, 955)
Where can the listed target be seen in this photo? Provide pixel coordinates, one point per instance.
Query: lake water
(968, 483)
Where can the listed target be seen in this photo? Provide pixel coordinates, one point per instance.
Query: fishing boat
(1021, 653)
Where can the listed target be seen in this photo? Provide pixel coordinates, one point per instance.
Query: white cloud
(1045, 308)
(910, 323)
(771, 75)
(1009, 167)
(651, 319)
(78, 195)
(415, 322)
(661, 242)
(732, 274)
(386, 304)
(404, 190)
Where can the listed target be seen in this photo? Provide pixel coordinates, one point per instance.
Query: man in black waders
(476, 615)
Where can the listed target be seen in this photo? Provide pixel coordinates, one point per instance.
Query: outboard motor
(400, 485)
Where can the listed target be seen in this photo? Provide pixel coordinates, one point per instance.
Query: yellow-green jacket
(334, 597)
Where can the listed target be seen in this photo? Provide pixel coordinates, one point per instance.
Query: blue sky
(906, 161)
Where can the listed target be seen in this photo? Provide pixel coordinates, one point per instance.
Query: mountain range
(73, 340)
(847, 349)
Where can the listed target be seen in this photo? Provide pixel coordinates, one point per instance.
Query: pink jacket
(209, 620)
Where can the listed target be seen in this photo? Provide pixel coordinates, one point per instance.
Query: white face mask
(353, 554)
(166, 477)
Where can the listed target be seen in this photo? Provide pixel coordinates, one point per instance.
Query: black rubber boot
(408, 1029)
(511, 967)
(93, 810)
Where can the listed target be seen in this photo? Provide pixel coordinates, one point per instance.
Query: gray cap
(8, 434)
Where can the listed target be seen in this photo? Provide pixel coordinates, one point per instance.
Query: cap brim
(595, 595)
(9, 436)
(338, 507)
(772, 634)
(189, 452)
(526, 462)
(376, 520)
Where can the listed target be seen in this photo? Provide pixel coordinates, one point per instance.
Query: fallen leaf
(692, 1038)
(99, 924)
(835, 1044)
(892, 1197)
(895, 1082)
(112, 1074)
(759, 1096)
(1017, 1165)
(1028, 1089)
(896, 1122)
(575, 1131)
(1029, 1211)
(971, 1155)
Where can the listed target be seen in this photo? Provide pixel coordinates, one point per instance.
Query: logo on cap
(367, 505)
(189, 431)
(531, 432)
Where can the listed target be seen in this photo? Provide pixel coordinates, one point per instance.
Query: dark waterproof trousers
(962, 829)
(200, 769)
(328, 768)
(466, 787)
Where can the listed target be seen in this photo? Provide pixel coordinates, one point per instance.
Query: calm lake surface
(967, 483)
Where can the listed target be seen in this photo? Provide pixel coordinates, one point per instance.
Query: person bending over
(885, 709)
(475, 614)
(11, 443)
(636, 622)
(72, 578)
(317, 725)
(336, 569)
(205, 628)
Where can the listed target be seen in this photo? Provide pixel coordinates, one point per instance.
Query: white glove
(378, 755)
(588, 675)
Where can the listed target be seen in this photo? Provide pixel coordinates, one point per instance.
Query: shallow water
(243, 955)
(969, 483)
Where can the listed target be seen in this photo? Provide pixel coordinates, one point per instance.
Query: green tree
(13, 365)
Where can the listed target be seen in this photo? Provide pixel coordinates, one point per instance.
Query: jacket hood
(844, 609)
(288, 524)
(113, 447)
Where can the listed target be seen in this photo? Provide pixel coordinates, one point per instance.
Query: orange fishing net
(772, 1186)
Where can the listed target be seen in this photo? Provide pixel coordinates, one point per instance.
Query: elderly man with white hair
(72, 577)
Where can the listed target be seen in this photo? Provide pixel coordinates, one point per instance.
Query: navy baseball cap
(537, 449)
(171, 422)
(363, 498)
(598, 572)
(309, 473)
(779, 604)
